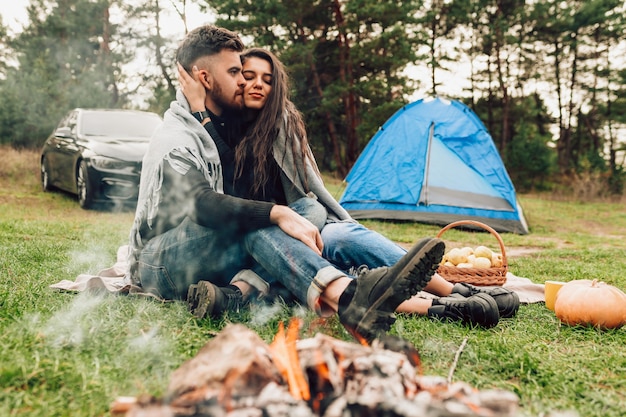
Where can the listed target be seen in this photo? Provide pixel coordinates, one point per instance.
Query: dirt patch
(518, 251)
(522, 251)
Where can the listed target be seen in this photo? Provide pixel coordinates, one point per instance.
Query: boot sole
(192, 297)
(416, 274)
(420, 264)
(201, 299)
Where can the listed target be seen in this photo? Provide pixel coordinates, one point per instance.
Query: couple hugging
(232, 205)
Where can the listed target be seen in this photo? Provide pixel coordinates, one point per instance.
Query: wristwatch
(201, 115)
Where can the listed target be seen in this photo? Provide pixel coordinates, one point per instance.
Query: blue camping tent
(434, 162)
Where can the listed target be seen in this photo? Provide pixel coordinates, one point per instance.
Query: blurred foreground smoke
(236, 374)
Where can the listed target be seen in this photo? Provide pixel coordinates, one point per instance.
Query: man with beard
(192, 225)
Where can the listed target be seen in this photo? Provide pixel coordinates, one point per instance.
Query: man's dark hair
(206, 41)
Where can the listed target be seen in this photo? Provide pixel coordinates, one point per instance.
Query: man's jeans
(171, 262)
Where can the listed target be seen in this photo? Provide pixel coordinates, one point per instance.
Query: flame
(360, 338)
(323, 377)
(285, 356)
(357, 336)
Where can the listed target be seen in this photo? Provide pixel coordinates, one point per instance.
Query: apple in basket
(467, 257)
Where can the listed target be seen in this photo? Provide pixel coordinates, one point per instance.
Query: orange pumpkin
(591, 302)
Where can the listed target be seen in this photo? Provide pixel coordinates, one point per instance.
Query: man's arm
(190, 192)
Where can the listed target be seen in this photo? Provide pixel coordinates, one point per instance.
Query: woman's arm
(193, 90)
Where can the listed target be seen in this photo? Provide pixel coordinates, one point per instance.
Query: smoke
(67, 327)
(94, 258)
(261, 314)
(93, 332)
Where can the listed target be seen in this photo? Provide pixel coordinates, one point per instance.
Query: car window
(68, 121)
(119, 124)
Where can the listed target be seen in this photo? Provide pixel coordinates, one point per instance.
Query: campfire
(237, 374)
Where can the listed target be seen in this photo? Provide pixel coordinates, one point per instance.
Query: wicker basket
(475, 276)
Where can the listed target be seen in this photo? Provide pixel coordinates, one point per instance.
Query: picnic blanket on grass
(114, 280)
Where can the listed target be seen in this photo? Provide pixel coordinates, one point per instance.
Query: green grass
(67, 354)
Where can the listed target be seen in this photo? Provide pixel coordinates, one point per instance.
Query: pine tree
(64, 60)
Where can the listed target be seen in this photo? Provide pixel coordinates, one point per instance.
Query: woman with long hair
(268, 110)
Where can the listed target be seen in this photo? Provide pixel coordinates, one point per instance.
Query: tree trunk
(563, 145)
(158, 45)
(317, 85)
(433, 58)
(346, 75)
(504, 129)
(570, 159)
(105, 49)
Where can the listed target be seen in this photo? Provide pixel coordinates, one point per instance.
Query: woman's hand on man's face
(192, 88)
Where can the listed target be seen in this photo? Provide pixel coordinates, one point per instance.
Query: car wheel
(45, 175)
(85, 193)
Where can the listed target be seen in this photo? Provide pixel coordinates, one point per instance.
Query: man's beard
(228, 105)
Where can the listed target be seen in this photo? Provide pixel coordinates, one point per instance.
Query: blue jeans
(350, 244)
(171, 262)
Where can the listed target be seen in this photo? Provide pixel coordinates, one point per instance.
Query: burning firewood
(237, 374)
(285, 356)
(236, 363)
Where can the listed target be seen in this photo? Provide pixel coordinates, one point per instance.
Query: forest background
(547, 77)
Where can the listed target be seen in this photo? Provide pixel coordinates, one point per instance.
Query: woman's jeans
(171, 262)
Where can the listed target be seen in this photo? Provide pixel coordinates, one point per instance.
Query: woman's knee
(339, 234)
(312, 210)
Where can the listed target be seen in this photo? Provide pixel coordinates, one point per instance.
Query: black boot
(507, 300)
(480, 309)
(366, 308)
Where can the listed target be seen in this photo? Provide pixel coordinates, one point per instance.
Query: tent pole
(424, 193)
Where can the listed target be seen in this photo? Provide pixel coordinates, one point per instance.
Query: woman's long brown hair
(278, 112)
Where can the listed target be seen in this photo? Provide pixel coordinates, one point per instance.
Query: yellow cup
(551, 288)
